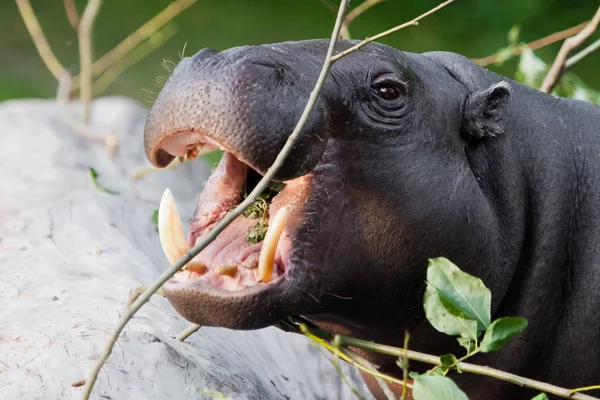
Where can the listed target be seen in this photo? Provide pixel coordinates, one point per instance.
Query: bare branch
(201, 244)
(109, 140)
(190, 330)
(72, 15)
(144, 32)
(389, 31)
(581, 55)
(536, 44)
(569, 44)
(41, 44)
(133, 57)
(85, 55)
(352, 15)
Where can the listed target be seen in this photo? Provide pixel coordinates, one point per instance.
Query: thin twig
(352, 15)
(201, 244)
(39, 39)
(362, 361)
(405, 365)
(187, 332)
(72, 14)
(136, 55)
(109, 140)
(85, 55)
(349, 360)
(536, 44)
(569, 44)
(582, 54)
(390, 31)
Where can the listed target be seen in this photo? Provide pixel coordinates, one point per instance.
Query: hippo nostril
(163, 158)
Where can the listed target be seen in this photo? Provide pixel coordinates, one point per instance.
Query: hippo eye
(388, 93)
(388, 89)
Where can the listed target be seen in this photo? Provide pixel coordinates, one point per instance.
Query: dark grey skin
(412, 156)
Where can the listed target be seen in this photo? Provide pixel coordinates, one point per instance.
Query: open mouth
(255, 248)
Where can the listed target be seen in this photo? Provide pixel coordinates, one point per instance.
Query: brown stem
(536, 44)
(352, 15)
(39, 39)
(568, 45)
(85, 55)
(72, 15)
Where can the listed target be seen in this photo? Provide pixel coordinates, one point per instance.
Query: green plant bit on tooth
(257, 232)
(260, 210)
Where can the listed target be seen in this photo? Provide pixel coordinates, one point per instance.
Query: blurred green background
(474, 28)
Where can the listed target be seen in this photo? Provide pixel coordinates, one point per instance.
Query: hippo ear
(484, 111)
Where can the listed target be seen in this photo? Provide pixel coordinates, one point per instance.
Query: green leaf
(513, 35)
(467, 344)
(443, 321)
(448, 360)
(155, 217)
(541, 396)
(436, 388)
(501, 331)
(531, 70)
(94, 182)
(413, 375)
(461, 294)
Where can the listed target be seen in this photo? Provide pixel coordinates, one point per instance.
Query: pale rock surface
(69, 255)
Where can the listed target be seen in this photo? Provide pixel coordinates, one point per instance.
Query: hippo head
(379, 181)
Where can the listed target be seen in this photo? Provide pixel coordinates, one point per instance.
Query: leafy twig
(389, 31)
(85, 55)
(39, 39)
(568, 45)
(352, 15)
(201, 244)
(465, 367)
(536, 44)
(71, 12)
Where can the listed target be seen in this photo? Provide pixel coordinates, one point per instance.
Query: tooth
(230, 270)
(269, 247)
(251, 262)
(171, 235)
(193, 153)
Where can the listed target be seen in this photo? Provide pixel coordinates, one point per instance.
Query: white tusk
(170, 232)
(269, 247)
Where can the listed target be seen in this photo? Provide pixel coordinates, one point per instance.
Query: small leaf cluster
(459, 304)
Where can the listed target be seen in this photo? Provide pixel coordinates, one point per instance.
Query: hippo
(405, 157)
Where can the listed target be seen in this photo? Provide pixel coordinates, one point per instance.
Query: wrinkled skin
(410, 156)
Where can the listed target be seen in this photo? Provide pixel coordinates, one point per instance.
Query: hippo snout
(246, 101)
